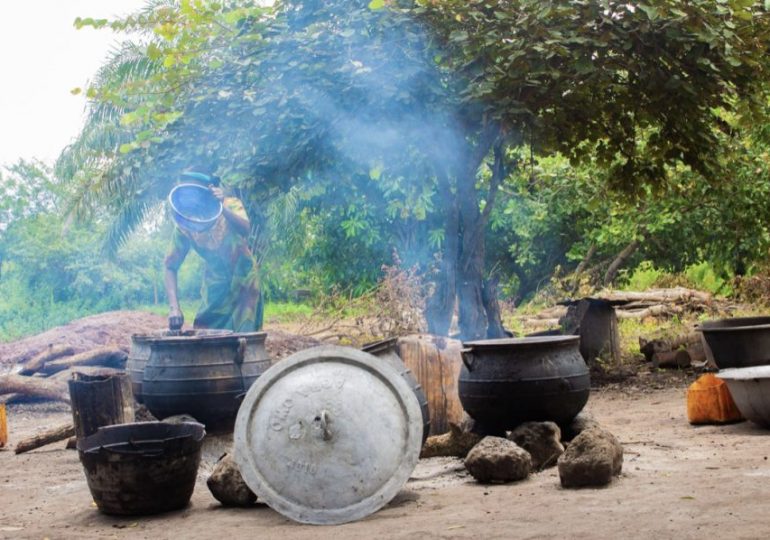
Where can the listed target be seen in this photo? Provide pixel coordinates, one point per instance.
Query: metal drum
(506, 382)
(328, 435)
(205, 376)
(386, 349)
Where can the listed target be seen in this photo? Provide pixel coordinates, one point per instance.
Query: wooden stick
(34, 387)
(46, 437)
(51, 353)
(111, 356)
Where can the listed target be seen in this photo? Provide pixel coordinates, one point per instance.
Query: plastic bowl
(737, 342)
(750, 389)
(194, 207)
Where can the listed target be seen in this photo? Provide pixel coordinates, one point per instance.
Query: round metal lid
(517, 343)
(328, 435)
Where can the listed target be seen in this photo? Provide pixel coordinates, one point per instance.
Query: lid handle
(468, 359)
(322, 422)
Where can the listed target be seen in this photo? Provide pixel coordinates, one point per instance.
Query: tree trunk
(619, 261)
(441, 304)
(33, 387)
(100, 400)
(495, 327)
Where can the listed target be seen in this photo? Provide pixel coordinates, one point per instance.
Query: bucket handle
(468, 359)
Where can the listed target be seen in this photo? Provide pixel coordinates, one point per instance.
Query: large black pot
(143, 467)
(737, 342)
(205, 376)
(509, 381)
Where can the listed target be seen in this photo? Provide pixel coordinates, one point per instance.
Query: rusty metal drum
(205, 376)
(328, 435)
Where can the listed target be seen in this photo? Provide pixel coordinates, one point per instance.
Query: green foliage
(643, 277)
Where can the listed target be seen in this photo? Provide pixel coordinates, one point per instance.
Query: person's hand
(175, 319)
(218, 192)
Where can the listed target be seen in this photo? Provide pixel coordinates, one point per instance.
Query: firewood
(671, 359)
(652, 311)
(48, 436)
(34, 387)
(648, 347)
(111, 356)
(47, 355)
(673, 295)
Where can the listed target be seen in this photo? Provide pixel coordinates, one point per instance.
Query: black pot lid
(328, 435)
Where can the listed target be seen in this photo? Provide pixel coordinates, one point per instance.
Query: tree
(434, 93)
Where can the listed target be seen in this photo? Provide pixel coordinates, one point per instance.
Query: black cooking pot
(506, 382)
(203, 375)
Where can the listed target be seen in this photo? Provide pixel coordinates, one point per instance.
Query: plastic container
(709, 402)
(3, 426)
(194, 207)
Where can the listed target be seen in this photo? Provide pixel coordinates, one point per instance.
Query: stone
(498, 460)
(457, 442)
(542, 440)
(227, 486)
(581, 422)
(591, 459)
(179, 419)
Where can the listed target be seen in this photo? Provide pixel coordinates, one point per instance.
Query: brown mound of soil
(117, 327)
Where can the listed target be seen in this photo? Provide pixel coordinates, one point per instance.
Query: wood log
(100, 400)
(111, 356)
(53, 352)
(673, 295)
(3, 426)
(652, 311)
(46, 437)
(648, 346)
(34, 387)
(671, 359)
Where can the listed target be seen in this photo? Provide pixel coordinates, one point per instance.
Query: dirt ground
(678, 481)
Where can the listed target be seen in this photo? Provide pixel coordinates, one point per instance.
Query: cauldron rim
(733, 324)
(520, 343)
(212, 339)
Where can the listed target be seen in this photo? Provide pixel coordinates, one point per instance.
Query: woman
(230, 291)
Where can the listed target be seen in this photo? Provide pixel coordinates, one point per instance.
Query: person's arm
(179, 249)
(233, 211)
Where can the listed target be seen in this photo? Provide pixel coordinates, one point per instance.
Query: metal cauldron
(506, 382)
(737, 342)
(205, 376)
(143, 467)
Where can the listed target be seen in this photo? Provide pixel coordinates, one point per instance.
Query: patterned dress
(230, 292)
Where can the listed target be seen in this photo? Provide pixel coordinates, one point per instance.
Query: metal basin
(737, 342)
(750, 389)
(143, 467)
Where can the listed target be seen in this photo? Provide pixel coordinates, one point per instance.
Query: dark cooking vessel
(205, 376)
(140, 350)
(509, 381)
(737, 342)
(143, 467)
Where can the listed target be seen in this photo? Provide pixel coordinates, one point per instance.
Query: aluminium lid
(328, 435)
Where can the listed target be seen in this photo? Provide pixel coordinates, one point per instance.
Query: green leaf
(376, 4)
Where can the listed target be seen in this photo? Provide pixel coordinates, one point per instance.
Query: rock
(591, 459)
(457, 442)
(227, 486)
(542, 440)
(496, 459)
(581, 422)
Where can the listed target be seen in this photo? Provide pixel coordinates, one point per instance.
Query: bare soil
(678, 481)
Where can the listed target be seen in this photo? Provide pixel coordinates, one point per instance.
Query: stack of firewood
(680, 351)
(658, 302)
(45, 375)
